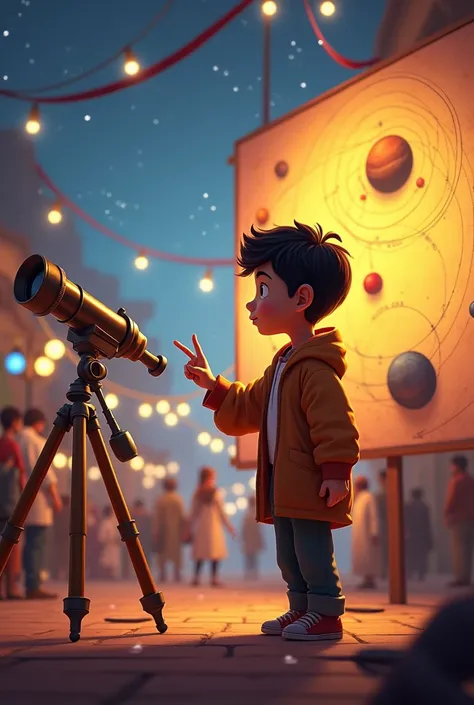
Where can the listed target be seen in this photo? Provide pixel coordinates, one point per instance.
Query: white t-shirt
(31, 444)
(272, 410)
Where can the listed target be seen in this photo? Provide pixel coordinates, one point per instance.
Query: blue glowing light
(15, 363)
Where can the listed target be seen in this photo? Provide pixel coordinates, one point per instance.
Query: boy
(308, 441)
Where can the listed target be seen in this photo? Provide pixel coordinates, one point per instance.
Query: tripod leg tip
(153, 605)
(76, 608)
(162, 626)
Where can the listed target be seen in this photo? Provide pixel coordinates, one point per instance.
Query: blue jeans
(305, 556)
(33, 555)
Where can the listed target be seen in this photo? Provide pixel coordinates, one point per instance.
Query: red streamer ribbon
(338, 58)
(151, 252)
(145, 74)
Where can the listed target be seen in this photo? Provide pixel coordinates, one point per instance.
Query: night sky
(151, 161)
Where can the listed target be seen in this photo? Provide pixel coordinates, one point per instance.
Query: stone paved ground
(212, 653)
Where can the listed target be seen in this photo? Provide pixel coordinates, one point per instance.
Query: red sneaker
(276, 626)
(314, 627)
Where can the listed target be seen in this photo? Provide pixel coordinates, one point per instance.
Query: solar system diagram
(385, 161)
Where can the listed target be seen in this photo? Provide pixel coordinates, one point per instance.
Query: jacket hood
(325, 345)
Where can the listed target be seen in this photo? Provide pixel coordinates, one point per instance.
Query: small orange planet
(262, 216)
(389, 164)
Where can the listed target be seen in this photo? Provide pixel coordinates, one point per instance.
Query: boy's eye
(263, 291)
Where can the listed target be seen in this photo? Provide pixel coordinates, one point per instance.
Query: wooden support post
(396, 532)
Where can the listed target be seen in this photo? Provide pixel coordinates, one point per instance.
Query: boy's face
(272, 311)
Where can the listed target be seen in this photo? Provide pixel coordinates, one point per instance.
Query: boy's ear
(304, 297)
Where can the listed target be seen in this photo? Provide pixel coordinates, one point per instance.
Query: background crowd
(169, 527)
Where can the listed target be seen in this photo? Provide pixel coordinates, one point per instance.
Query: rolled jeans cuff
(298, 601)
(325, 605)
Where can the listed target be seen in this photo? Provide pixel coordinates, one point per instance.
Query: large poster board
(386, 161)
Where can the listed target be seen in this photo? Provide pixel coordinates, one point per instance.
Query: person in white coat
(365, 534)
(207, 523)
(110, 558)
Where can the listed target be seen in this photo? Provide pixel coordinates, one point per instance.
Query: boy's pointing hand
(334, 491)
(197, 368)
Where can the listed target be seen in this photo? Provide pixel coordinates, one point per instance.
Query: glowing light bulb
(60, 461)
(55, 349)
(160, 472)
(204, 438)
(141, 262)
(93, 474)
(269, 8)
(171, 419)
(112, 400)
(55, 215)
(33, 124)
(44, 367)
(148, 482)
(230, 508)
(149, 470)
(15, 362)
(327, 8)
(137, 463)
(163, 406)
(145, 410)
(253, 482)
(232, 450)
(173, 467)
(238, 489)
(183, 409)
(216, 445)
(241, 503)
(207, 283)
(131, 65)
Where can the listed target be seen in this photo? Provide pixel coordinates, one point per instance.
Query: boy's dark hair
(33, 416)
(301, 254)
(417, 493)
(8, 416)
(460, 461)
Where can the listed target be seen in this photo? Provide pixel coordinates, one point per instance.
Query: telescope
(43, 288)
(95, 331)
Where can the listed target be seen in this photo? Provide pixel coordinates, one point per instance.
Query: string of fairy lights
(135, 73)
(172, 409)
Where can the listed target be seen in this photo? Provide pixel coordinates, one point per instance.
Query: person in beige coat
(365, 534)
(207, 523)
(169, 527)
(252, 541)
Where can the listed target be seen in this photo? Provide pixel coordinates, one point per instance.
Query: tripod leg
(76, 606)
(14, 526)
(152, 601)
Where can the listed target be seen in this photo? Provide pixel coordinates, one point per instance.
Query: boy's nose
(250, 306)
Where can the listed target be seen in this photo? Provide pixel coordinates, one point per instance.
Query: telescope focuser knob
(160, 367)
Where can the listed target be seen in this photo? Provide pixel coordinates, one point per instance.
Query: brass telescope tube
(43, 288)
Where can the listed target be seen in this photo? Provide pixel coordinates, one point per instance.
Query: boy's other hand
(197, 369)
(334, 491)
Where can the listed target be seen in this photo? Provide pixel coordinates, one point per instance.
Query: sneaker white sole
(292, 636)
(271, 632)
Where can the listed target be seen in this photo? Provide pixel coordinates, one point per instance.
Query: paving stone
(212, 652)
